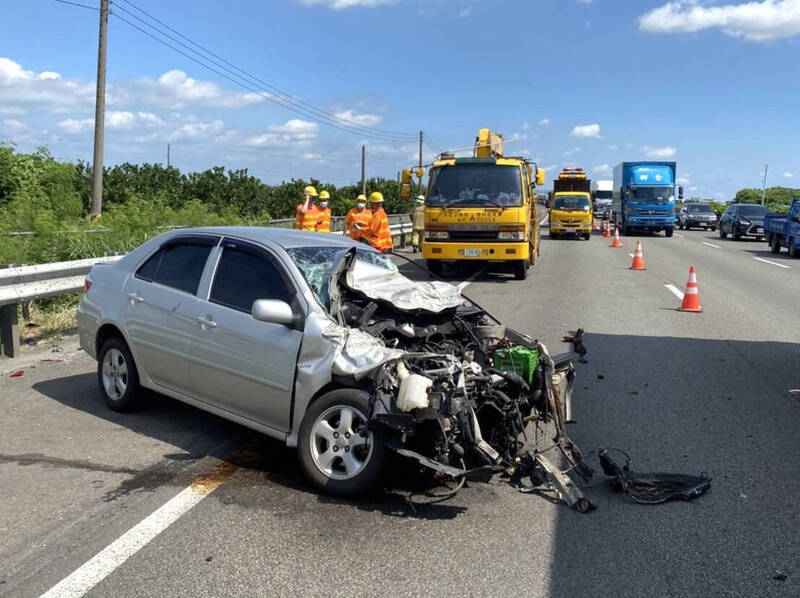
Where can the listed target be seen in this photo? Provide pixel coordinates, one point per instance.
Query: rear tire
(587, 236)
(775, 244)
(520, 270)
(722, 233)
(794, 251)
(358, 463)
(118, 377)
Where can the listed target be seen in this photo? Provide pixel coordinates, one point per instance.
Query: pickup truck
(783, 230)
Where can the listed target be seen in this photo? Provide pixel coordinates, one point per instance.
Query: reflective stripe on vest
(364, 218)
(324, 222)
(382, 238)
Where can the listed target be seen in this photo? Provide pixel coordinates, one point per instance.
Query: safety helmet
(310, 190)
(361, 197)
(324, 195)
(376, 197)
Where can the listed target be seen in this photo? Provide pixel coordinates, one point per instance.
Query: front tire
(587, 236)
(793, 250)
(520, 270)
(775, 244)
(118, 377)
(668, 232)
(722, 233)
(735, 232)
(336, 451)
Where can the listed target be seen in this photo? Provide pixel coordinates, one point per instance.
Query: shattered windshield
(317, 264)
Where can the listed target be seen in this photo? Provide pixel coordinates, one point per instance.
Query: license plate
(703, 224)
(569, 229)
(759, 230)
(472, 253)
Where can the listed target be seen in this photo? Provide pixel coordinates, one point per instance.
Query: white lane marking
(544, 219)
(101, 565)
(675, 290)
(630, 254)
(710, 244)
(463, 285)
(679, 236)
(761, 259)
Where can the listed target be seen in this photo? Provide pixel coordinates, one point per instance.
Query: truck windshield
(651, 194)
(571, 202)
(475, 185)
(603, 195)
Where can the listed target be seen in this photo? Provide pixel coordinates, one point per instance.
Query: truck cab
(571, 205)
(644, 197)
(482, 209)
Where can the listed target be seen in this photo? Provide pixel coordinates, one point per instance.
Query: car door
(160, 303)
(237, 362)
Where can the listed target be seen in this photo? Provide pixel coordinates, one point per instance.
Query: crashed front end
(450, 387)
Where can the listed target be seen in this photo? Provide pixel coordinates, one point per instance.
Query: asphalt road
(678, 391)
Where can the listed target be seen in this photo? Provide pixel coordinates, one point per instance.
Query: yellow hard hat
(376, 197)
(324, 195)
(361, 197)
(310, 190)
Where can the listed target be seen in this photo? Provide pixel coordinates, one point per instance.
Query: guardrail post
(9, 330)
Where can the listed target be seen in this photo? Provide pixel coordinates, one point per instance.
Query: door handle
(135, 297)
(206, 322)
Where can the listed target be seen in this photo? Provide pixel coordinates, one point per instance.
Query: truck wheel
(668, 231)
(626, 231)
(118, 377)
(520, 271)
(435, 267)
(553, 235)
(336, 451)
(794, 251)
(775, 244)
(722, 233)
(587, 236)
(735, 233)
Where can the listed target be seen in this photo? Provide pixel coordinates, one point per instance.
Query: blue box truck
(644, 197)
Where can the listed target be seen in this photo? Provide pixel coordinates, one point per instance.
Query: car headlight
(629, 210)
(436, 235)
(744, 221)
(511, 236)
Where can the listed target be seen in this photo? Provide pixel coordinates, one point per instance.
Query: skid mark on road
(100, 566)
(710, 245)
(761, 259)
(674, 290)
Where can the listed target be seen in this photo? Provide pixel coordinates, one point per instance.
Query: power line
(77, 4)
(278, 96)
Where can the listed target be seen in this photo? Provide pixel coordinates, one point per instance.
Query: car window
(178, 265)
(243, 276)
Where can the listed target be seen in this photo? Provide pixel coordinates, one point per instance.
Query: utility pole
(167, 156)
(421, 134)
(764, 186)
(364, 169)
(99, 115)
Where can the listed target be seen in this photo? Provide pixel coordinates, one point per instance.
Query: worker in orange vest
(324, 220)
(307, 211)
(378, 233)
(358, 219)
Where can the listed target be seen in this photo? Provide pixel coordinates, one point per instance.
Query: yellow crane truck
(571, 204)
(482, 209)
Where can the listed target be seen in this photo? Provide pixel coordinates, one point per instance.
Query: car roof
(284, 237)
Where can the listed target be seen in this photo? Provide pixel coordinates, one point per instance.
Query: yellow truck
(482, 209)
(571, 204)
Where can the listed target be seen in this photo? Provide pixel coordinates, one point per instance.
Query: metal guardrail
(19, 285)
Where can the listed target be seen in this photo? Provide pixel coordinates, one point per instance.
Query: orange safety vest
(354, 216)
(324, 222)
(307, 221)
(380, 237)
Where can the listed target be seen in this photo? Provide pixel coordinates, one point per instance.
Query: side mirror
(273, 311)
(540, 177)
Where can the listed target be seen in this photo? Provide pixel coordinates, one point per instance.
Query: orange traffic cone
(616, 241)
(607, 234)
(638, 258)
(691, 299)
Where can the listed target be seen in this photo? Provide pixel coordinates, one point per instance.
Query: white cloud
(601, 168)
(72, 126)
(13, 127)
(293, 131)
(367, 120)
(788, 175)
(544, 122)
(684, 180)
(572, 151)
(176, 90)
(659, 153)
(465, 12)
(693, 188)
(339, 4)
(24, 92)
(754, 21)
(613, 147)
(526, 126)
(586, 131)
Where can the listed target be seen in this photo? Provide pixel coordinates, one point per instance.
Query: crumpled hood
(380, 284)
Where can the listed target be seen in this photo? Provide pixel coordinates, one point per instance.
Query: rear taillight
(87, 284)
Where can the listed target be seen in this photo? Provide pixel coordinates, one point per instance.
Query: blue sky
(590, 83)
